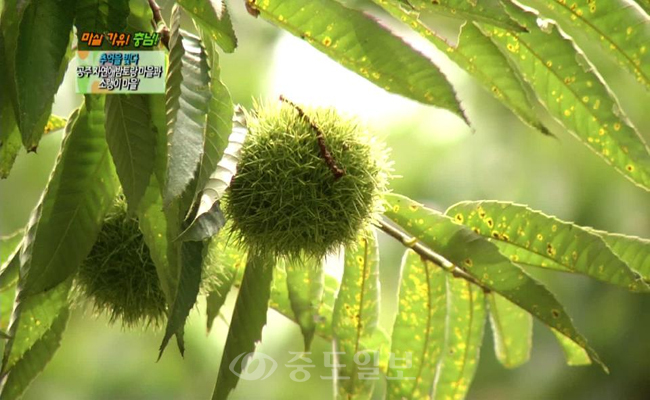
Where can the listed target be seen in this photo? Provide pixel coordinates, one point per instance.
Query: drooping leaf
(64, 226)
(356, 313)
(463, 338)
(189, 282)
(482, 260)
(622, 31)
(209, 218)
(33, 316)
(248, 320)
(470, 10)
(213, 18)
(280, 301)
(419, 329)
(35, 358)
(188, 97)
(633, 250)
(532, 238)
(226, 261)
(131, 139)
(363, 46)
(512, 328)
(566, 83)
(477, 55)
(305, 280)
(40, 63)
(574, 354)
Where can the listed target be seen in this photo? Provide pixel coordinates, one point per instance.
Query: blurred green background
(439, 161)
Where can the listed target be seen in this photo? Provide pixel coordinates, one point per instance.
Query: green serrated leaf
(188, 98)
(131, 139)
(530, 237)
(482, 260)
(470, 10)
(64, 226)
(9, 273)
(214, 20)
(35, 359)
(567, 85)
(477, 55)
(189, 282)
(356, 313)
(101, 16)
(574, 354)
(512, 328)
(40, 63)
(226, 261)
(10, 258)
(463, 338)
(632, 250)
(33, 316)
(622, 31)
(248, 319)
(372, 51)
(305, 280)
(418, 332)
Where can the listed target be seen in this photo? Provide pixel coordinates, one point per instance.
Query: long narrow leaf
(418, 333)
(361, 45)
(82, 187)
(566, 83)
(622, 31)
(356, 313)
(248, 320)
(463, 338)
(477, 55)
(215, 20)
(481, 259)
(513, 331)
(188, 98)
(40, 62)
(471, 10)
(131, 139)
(574, 354)
(305, 280)
(533, 238)
(633, 250)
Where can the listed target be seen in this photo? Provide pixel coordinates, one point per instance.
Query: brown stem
(324, 152)
(427, 254)
(159, 21)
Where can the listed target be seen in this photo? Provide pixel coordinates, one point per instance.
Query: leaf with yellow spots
(34, 318)
(35, 357)
(568, 86)
(469, 10)
(419, 329)
(512, 328)
(214, 21)
(622, 31)
(362, 45)
(633, 250)
(356, 313)
(480, 259)
(531, 238)
(574, 354)
(305, 280)
(54, 123)
(463, 338)
(477, 55)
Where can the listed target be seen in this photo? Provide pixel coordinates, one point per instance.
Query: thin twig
(160, 22)
(324, 152)
(427, 254)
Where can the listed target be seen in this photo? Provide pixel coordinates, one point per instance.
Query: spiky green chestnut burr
(119, 276)
(307, 181)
